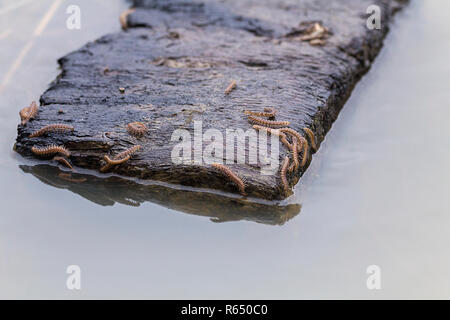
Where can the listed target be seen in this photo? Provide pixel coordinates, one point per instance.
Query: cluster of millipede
(60, 153)
(298, 146)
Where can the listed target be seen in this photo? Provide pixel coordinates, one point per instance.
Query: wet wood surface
(172, 65)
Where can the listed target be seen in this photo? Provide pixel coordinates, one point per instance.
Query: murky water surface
(377, 192)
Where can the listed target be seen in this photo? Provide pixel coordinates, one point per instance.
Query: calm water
(377, 192)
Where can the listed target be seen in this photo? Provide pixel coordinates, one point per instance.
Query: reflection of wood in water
(219, 207)
(68, 177)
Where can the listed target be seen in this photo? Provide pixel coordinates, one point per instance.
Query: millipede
(116, 162)
(275, 132)
(28, 113)
(24, 113)
(137, 129)
(284, 168)
(63, 161)
(128, 152)
(124, 16)
(51, 128)
(119, 158)
(269, 112)
(232, 176)
(305, 151)
(286, 142)
(52, 149)
(111, 162)
(302, 141)
(311, 137)
(292, 132)
(230, 87)
(302, 144)
(295, 163)
(267, 123)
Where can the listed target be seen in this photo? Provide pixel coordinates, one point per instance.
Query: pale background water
(377, 192)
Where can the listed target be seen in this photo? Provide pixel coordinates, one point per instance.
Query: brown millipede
(295, 163)
(230, 87)
(118, 161)
(267, 123)
(137, 128)
(269, 112)
(123, 18)
(292, 132)
(232, 176)
(128, 152)
(269, 130)
(305, 152)
(51, 127)
(311, 137)
(275, 132)
(24, 113)
(301, 140)
(63, 161)
(119, 158)
(286, 142)
(284, 168)
(50, 150)
(303, 143)
(105, 167)
(28, 113)
(111, 162)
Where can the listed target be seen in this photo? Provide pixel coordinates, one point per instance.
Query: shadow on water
(106, 191)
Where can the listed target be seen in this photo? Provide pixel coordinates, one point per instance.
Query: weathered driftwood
(172, 65)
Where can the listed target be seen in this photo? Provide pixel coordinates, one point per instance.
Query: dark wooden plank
(175, 60)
